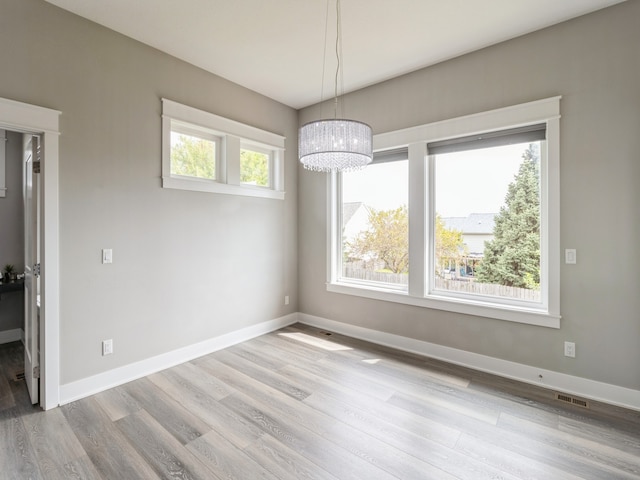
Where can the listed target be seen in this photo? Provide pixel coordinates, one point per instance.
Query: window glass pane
(375, 224)
(254, 168)
(487, 222)
(193, 156)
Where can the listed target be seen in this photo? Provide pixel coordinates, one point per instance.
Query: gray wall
(594, 63)
(187, 266)
(12, 231)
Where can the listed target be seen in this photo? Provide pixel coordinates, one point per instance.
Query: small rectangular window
(204, 152)
(255, 165)
(193, 154)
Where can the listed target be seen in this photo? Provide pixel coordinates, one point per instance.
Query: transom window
(473, 226)
(207, 153)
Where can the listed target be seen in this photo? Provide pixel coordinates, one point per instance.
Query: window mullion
(417, 227)
(550, 198)
(334, 237)
(230, 164)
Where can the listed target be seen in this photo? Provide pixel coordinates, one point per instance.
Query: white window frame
(547, 313)
(231, 134)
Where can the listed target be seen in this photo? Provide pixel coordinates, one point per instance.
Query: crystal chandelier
(335, 144)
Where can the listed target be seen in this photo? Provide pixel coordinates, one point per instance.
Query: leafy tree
(254, 168)
(449, 245)
(512, 258)
(386, 240)
(193, 157)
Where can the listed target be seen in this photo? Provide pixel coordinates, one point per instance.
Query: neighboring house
(476, 229)
(355, 219)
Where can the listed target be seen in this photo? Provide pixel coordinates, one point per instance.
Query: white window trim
(232, 134)
(541, 111)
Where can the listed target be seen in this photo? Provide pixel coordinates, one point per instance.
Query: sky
(466, 182)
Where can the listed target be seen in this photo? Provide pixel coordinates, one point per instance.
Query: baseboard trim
(8, 336)
(590, 389)
(85, 387)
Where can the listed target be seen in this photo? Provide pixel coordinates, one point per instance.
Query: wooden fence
(373, 276)
(470, 286)
(463, 285)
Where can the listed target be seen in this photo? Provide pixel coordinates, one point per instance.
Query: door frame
(26, 118)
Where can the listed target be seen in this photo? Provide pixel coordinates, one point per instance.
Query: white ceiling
(275, 47)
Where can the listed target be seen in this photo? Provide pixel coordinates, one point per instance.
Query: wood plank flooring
(300, 403)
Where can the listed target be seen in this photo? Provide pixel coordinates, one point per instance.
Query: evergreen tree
(512, 258)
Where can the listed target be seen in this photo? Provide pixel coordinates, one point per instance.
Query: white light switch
(107, 347)
(107, 255)
(570, 256)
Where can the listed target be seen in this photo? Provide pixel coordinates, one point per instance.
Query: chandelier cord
(338, 48)
(324, 53)
(339, 144)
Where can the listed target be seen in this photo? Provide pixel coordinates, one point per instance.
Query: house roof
(349, 210)
(474, 223)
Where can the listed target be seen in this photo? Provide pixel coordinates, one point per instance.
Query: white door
(32, 156)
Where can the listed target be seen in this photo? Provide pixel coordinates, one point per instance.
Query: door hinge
(36, 166)
(36, 269)
(36, 372)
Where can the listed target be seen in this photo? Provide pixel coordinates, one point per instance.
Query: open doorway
(11, 237)
(42, 123)
(20, 235)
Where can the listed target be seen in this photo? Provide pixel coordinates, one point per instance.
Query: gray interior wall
(12, 231)
(594, 63)
(187, 266)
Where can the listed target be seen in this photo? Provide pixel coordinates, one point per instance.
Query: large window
(486, 215)
(473, 226)
(207, 153)
(375, 224)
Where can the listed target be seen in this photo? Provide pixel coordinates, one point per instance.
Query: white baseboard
(7, 336)
(103, 381)
(583, 387)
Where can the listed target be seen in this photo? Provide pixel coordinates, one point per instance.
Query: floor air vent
(578, 402)
(20, 376)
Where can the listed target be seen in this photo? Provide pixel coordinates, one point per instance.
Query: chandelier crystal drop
(333, 145)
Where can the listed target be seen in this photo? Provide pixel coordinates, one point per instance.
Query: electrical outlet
(286, 299)
(569, 349)
(107, 347)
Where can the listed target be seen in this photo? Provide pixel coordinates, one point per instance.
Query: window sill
(498, 312)
(209, 186)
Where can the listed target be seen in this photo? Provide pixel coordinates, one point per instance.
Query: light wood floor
(301, 404)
